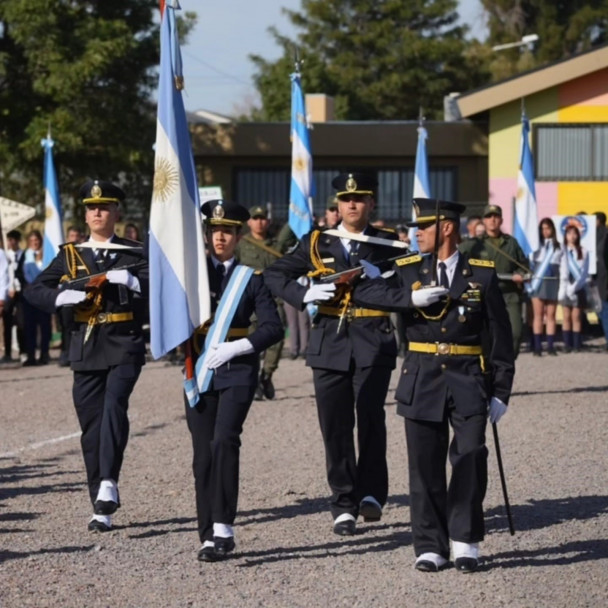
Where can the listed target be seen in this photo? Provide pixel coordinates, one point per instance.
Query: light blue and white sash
(541, 268)
(579, 274)
(218, 331)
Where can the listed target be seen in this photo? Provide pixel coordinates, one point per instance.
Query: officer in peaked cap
(457, 371)
(351, 350)
(107, 346)
(216, 417)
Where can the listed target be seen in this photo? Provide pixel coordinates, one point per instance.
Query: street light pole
(528, 41)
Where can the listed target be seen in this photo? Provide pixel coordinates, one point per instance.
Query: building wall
(582, 100)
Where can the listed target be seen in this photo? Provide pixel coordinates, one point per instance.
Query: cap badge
(218, 211)
(351, 184)
(416, 209)
(96, 191)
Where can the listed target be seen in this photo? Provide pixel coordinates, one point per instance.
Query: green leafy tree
(564, 27)
(89, 71)
(379, 59)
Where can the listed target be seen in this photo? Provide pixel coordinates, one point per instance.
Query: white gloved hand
(224, 352)
(69, 297)
(319, 293)
(123, 277)
(496, 410)
(561, 294)
(429, 295)
(570, 292)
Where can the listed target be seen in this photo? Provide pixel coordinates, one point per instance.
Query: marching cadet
(107, 348)
(257, 250)
(351, 350)
(445, 380)
(216, 418)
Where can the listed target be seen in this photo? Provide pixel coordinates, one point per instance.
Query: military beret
(96, 191)
(224, 213)
(354, 183)
(258, 211)
(492, 210)
(426, 210)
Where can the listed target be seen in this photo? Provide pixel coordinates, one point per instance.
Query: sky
(217, 69)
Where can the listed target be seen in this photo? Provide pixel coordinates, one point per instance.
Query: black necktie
(353, 253)
(221, 273)
(100, 256)
(443, 278)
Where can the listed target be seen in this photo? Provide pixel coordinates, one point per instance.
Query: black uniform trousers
(101, 398)
(12, 315)
(339, 396)
(440, 511)
(216, 423)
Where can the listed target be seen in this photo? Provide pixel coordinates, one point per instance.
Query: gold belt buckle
(350, 314)
(443, 348)
(102, 317)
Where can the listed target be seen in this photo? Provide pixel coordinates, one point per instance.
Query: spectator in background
(34, 318)
(74, 234)
(472, 224)
(574, 272)
(131, 232)
(545, 265)
(3, 280)
(12, 313)
(402, 233)
(601, 276)
(332, 213)
(480, 230)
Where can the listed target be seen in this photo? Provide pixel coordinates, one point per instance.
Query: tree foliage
(379, 59)
(564, 27)
(87, 70)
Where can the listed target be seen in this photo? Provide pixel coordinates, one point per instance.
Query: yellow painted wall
(584, 114)
(582, 196)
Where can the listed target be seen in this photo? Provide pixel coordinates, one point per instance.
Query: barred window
(261, 186)
(571, 152)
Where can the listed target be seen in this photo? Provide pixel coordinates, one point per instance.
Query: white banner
(13, 214)
(209, 193)
(586, 226)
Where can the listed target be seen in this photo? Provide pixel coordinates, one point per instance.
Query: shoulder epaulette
(391, 230)
(483, 263)
(410, 259)
(257, 271)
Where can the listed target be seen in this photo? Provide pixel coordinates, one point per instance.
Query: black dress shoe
(370, 511)
(537, 353)
(426, 565)
(267, 385)
(98, 526)
(105, 507)
(345, 528)
(466, 564)
(552, 352)
(43, 360)
(223, 546)
(208, 554)
(29, 363)
(259, 393)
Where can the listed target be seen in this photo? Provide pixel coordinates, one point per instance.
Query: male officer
(12, 313)
(257, 250)
(510, 263)
(446, 381)
(351, 350)
(332, 212)
(216, 420)
(107, 348)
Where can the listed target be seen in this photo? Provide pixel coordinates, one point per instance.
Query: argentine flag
(525, 224)
(179, 286)
(300, 202)
(53, 226)
(421, 180)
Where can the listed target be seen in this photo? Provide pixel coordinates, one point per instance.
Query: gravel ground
(554, 447)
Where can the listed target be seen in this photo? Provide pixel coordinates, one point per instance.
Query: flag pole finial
(296, 59)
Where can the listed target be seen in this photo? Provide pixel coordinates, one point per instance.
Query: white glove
(319, 293)
(570, 292)
(70, 297)
(123, 277)
(429, 295)
(224, 352)
(496, 410)
(561, 294)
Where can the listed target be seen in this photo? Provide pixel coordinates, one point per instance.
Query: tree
(379, 59)
(564, 27)
(87, 69)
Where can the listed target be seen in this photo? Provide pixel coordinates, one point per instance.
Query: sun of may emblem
(166, 179)
(299, 164)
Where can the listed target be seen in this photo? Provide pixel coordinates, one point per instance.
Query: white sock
(223, 530)
(460, 549)
(208, 543)
(344, 517)
(104, 519)
(108, 491)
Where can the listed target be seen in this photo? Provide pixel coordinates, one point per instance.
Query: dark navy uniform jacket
(369, 340)
(475, 312)
(243, 370)
(109, 343)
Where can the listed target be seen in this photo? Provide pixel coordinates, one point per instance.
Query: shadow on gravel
(356, 546)
(6, 555)
(578, 389)
(569, 553)
(158, 528)
(149, 429)
(18, 516)
(537, 514)
(45, 489)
